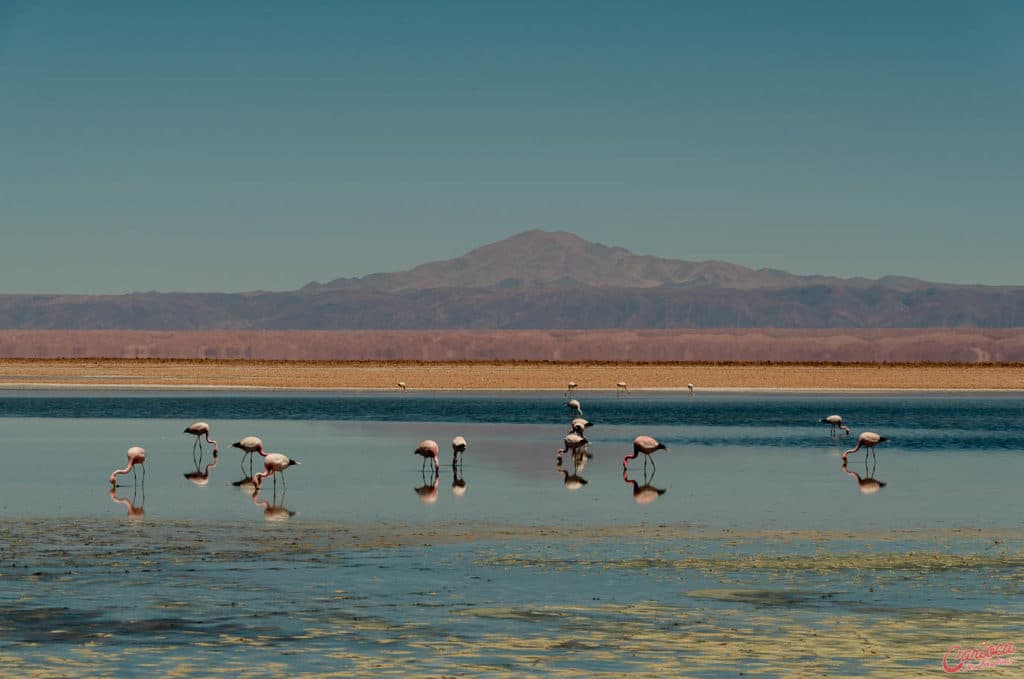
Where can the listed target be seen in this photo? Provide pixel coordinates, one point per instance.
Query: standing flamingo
(272, 463)
(578, 424)
(689, 385)
(428, 449)
(249, 445)
(136, 456)
(646, 445)
(621, 387)
(403, 386)
(573, 444)
(570, 390)
(868, 440)
(200, 429)
(574, 406)
(458, 446)
(837, 422)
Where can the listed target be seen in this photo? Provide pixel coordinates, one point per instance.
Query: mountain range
(544, 280)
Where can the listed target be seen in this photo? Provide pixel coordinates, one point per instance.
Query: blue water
(174, 577)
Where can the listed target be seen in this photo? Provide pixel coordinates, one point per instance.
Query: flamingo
(573, 443)
(837, 422)
(689, 385)
(578, 425)
(428, 449)
(200, 429)
(574, 406)
(645, 494)
(571, 389)
(403, 386)
(249, 445)
(458, 446)
(868, 440)
(621, 387)
(272, 463)
(867, 485)
(136, 456)
(646, 445)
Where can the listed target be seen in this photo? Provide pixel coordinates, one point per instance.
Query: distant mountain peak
(561, 259)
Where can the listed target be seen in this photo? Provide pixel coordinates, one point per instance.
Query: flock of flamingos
(575, 444)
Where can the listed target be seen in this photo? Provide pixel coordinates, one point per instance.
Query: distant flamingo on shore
(403, 386)
(571, 389)
(868, 440)
(646, 445)
(689, 386)
(837, 422)
(620, 387)
(136, 456)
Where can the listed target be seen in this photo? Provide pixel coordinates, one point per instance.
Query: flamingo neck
(122, 471)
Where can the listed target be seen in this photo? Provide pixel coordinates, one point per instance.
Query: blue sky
(226, 146)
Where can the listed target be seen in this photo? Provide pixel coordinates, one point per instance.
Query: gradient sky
(228, 146)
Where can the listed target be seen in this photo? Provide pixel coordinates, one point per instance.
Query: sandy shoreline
(514, 375)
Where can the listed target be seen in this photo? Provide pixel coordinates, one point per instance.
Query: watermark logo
(982, 657)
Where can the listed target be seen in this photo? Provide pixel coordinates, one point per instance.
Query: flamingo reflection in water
(867, 484)
(274, 510)
(572, 481)
(428, 491)
(135, 511)
(202, 477)
(459, 485)
(646, 493)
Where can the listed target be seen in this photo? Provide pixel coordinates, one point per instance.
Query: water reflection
(572, 481)
(645, 493)
(867, 484)
(273, 510)
(458, 482)
(135, 511)
(428, 491)
(201, 476)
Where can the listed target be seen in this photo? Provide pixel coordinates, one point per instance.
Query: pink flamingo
(646, 445)
(249, 445)
(458, 446)
(621, 387)
(578, 425)
(837, 422)
(573, 442)
(428, 449)
(867, 440)
(574, 406)
(200, 429)
(273, 463)
(136, 456)
(571, 390)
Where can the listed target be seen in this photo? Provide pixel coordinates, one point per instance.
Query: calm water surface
(510, 565)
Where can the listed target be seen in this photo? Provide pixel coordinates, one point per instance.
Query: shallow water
(761, 556)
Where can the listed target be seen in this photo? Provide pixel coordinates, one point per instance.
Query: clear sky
(229, 146)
